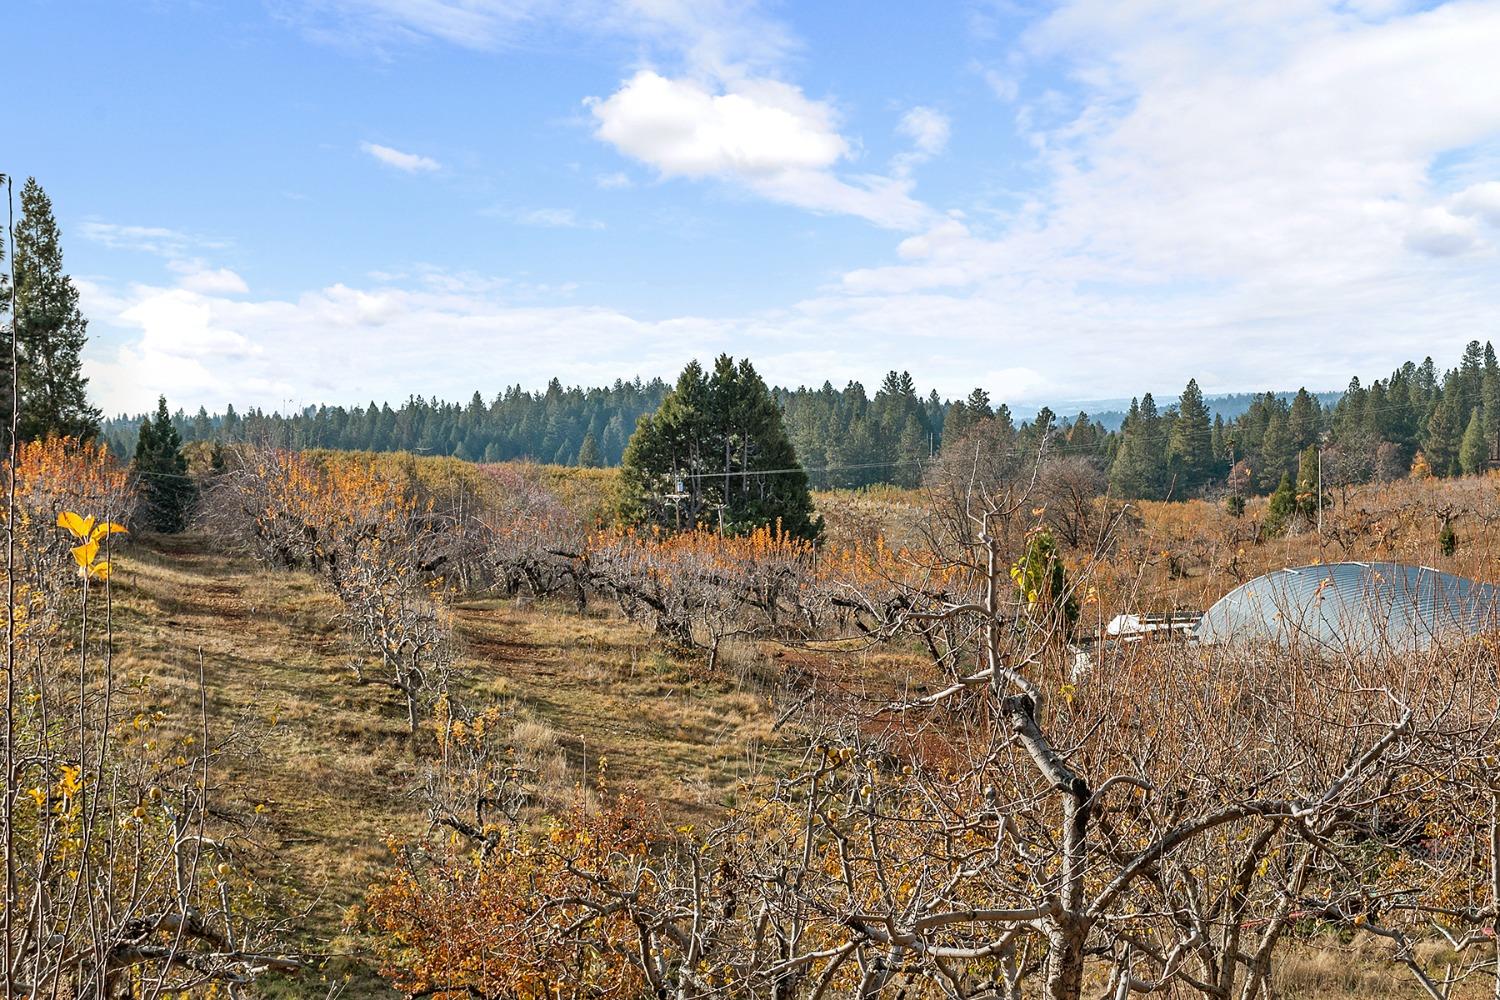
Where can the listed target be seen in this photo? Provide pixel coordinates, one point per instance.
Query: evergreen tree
(1489, 401)
(1277, 456)
(1281, 508)
(1308, 482)
(167, 492)
(1190, 458)
(588, 452)
(1304, 420)
(1440, 445)
(1139, 467)
(1473, 450)
(716, 452)
(50, 330)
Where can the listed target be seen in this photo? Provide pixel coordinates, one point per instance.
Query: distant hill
(1111, 412)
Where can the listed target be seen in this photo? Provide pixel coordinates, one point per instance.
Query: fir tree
(1281, 508)
(588, 452)
(1304, 420)
(50, 330)
(1307, 482)
(167, 492)
(1489, 401)
(1441, 442)
(1473, 450)
(716, 452)
(1277, 456)
(1190, 457)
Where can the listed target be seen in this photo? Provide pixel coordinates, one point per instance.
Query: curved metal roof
(1358, 606)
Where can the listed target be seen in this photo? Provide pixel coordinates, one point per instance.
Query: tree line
(1416, 420)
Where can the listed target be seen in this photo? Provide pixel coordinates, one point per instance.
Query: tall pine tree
(1190, 454)
(50, 330)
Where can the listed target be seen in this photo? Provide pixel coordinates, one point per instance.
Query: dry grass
(329, 761)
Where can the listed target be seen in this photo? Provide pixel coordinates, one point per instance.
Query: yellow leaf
(84, 554)
(106, 528)
(100, 570)
(79, 526)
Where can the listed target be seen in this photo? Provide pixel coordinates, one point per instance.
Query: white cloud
(1440, 233)
(443, 333)
(1261, 172)
(761, 133)
(212, 281)
(158, 240)
(613, 181)
(928, 131)
(927, 128)
(683, 129)
(715, 37)
(1481, 201)
(411, 163)
(555, 218)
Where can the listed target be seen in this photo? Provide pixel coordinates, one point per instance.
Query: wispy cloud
(411, 163)
(157, 240)
(928, 129)
(555, 218)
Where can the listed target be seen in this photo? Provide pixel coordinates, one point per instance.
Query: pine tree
(167, 492)
(1281, 508)
(1473, 451)
(1139, 468)
(1307, 482)
(1277, 456)
(1489, 400)
(716, 451)
(588, 452)
(1440, 444)
(1190, 457)
(50, 330)
(1304, 420)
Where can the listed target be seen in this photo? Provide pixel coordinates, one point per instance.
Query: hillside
(325, 764)
(321, 773)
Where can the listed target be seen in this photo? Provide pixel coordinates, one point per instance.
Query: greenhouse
(1353, 606)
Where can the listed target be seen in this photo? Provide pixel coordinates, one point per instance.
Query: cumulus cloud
(764, 134)
(211, 280)
(342, 343)
(411, 163)
(1481, 201)
(683, 129)
(1440, 233)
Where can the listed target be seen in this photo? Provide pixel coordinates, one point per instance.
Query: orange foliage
(507, 924)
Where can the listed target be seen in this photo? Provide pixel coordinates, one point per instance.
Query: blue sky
(338, 200)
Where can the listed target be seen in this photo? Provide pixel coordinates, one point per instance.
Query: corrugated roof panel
(1353, 606)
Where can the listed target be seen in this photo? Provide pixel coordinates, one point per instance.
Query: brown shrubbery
(1168, 822)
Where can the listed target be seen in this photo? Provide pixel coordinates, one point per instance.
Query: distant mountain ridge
(1111, 412)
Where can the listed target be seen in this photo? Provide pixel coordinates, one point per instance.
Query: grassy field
(325, 765)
